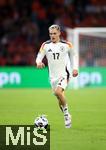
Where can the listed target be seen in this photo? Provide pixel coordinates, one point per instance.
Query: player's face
(54, 35)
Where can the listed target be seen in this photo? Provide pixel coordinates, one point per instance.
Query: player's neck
(57, 41)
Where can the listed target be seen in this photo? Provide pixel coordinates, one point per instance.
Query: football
(41, 122)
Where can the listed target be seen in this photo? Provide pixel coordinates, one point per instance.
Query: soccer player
(60, 54)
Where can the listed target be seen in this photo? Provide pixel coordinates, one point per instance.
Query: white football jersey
(60, 56)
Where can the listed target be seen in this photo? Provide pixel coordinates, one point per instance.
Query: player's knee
(58, 93)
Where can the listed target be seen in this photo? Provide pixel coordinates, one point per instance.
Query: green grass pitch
(88, 109)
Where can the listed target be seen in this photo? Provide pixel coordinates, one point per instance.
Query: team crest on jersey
(62, 48)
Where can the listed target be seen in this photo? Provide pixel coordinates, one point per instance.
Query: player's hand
(40, 65)
(75, 73)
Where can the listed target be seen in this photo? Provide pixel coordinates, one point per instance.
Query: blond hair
(54, 26)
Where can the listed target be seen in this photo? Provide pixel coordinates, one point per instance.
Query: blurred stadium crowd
(24, 24)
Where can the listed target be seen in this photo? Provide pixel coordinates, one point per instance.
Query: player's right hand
(40, 65)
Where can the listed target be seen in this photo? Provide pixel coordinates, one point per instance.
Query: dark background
(24, 24)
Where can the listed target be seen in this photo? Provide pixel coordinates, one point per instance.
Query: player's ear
(59, 33)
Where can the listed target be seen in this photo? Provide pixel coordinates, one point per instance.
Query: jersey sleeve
(41, 53)
(73, 56)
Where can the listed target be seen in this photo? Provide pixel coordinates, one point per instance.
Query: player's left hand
(75, 73)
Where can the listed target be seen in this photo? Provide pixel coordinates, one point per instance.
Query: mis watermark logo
(20, 137)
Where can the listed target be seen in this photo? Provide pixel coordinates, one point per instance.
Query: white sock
(65, 110)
